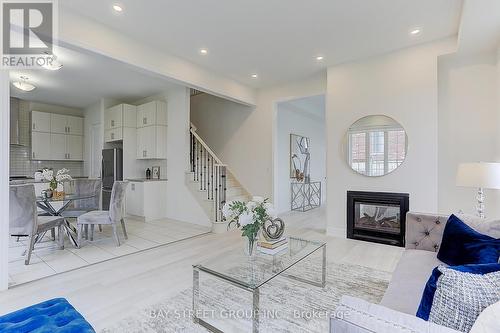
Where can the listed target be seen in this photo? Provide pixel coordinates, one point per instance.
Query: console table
(305, 196)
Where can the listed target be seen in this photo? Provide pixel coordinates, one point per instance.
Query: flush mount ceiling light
(254, 76)
(415, 31)
(23, 84)
(117, 8)
(320, 58)
(203, 51)
(53, 64)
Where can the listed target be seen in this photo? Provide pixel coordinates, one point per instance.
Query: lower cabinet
(147, 199)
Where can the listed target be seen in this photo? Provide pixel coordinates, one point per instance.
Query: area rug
(286, 305)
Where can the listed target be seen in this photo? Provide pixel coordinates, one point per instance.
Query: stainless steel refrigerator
(111, 171)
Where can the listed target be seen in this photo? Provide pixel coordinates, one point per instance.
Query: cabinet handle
(69, 129)
(33, 153)
(34, 126)
(69, 156)
(112, 123)
(133, 187)
(112, 135)
(144, 121)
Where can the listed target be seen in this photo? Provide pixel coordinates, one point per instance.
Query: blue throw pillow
(425, 306)
(462, 245)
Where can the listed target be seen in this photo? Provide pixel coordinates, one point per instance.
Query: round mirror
(375, 145)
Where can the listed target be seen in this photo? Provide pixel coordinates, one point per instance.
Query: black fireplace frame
(401, 199)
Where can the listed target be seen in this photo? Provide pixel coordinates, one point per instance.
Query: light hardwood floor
(107, 292)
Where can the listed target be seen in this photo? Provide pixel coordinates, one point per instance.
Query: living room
(428, 72)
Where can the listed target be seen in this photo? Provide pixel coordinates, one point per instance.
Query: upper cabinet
(40, 121)
(152, 113)
(56, 137)
(116, 118)
(152, 130)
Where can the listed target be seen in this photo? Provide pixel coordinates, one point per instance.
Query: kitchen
(94, 119)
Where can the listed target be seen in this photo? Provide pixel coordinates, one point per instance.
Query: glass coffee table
(251, 273)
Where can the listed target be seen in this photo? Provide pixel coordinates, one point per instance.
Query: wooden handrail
(207, 148)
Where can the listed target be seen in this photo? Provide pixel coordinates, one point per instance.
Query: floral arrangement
(61, 176)
(249, 216)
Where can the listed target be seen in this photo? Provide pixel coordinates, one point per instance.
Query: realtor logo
(28, 33)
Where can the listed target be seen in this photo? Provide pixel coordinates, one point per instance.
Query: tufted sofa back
(424, 231)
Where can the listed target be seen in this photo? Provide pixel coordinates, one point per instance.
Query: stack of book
(274, 246)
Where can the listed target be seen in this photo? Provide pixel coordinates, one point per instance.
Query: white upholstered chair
(104, 217)
(24, 220)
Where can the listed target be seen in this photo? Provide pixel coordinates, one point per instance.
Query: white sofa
(396, 312)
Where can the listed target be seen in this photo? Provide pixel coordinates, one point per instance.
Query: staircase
(211, 181)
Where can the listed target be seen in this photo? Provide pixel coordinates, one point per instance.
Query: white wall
(181, 204)
(243, 136)
(469, 125)
(297, 121)
(4, 179)
(404, 86)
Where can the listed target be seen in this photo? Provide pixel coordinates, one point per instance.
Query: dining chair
(105, 217)
(24, 220)
(80, 207)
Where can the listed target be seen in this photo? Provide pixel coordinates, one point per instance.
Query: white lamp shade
(484, 175)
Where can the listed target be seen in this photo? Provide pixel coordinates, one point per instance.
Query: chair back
(88, 186)
(117, 201)
(23, 212)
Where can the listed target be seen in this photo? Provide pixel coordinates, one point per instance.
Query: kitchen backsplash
(20, 162)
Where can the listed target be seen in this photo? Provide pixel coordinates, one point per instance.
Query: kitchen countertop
(144, 180)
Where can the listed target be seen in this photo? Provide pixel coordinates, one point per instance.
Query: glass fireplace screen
(377, 217)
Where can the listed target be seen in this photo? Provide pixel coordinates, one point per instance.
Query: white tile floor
(48, 260)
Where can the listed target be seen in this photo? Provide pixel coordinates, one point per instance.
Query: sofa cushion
(459, 294)
(488, 226)
(463, 245)
(409, 279)
(356, 315)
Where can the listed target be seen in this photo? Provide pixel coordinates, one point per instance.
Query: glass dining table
(55, 206)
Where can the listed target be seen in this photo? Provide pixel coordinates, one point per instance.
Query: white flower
(270, 210)
(251, 205)
(258, 199)
(48, 174)
(245, 219)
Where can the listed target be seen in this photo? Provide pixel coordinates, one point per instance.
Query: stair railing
(209, 171)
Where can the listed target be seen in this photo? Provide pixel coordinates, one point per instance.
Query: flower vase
(250, 245)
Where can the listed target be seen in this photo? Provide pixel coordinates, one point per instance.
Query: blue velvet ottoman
(52, 316)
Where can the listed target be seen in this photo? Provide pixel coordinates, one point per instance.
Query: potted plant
(56, 181)
(249, 217)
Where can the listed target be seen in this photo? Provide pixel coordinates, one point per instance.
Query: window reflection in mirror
(375, 145)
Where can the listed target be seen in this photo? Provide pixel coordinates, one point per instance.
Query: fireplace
(377, 216)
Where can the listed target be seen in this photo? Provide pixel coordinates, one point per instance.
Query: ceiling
(86, 78)
(276, 39)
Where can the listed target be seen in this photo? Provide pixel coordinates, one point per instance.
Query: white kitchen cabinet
(56, 137)
(58, 147)
(40, 146)
(66, 147)
(62, 124)
(40, 121)
(74, 147)
(152, 142)
(146, 199)
(152, 113)
(75, 125)
(116, 119)
(58, 124)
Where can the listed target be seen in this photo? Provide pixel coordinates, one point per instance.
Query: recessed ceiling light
(254, 76)
(204, 51)
(320, 58)
(415, 31)
(23, 84)
(117, 8)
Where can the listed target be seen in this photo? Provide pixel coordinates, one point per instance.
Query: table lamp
(480, 175)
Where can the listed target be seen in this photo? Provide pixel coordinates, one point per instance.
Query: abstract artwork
(300, 158)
